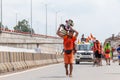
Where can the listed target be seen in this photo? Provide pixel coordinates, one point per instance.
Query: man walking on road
(68, 44)
(97, 53)
(118, 50)
(107, 51)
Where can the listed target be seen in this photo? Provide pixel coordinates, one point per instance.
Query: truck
(84, 53)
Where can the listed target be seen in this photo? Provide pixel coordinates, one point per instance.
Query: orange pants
(107, 56)
(68, 58)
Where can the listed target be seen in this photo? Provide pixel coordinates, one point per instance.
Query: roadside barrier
(29, 60)
(15, 61)
(3, 68)
(6, 61)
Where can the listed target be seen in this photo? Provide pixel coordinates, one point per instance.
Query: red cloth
(69, 42)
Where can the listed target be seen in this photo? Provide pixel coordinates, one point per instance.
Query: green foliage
(1, 25)
(6, 28)
(23, 26)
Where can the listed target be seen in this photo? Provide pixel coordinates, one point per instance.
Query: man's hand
(76, 33)
(59, 32)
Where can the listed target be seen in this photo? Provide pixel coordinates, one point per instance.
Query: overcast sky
(99, 17)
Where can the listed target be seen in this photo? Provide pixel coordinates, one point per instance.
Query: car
(84, 53)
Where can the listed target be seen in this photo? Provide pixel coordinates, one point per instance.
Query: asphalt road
(83, 71)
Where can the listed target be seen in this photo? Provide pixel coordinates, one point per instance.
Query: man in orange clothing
(68, 44)
(97, 52)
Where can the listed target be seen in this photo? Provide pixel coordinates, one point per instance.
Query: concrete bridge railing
(15, 61)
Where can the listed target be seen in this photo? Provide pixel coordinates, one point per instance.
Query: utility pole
(31, 32)
(16, 18)
(1, 17)
(46, 19)
(56, 20)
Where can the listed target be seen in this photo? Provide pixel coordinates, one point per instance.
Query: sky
(99, 17)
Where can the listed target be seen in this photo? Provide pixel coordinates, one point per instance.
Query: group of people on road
(96, 47)
(100, 52)
(105, 52)
(69, 36)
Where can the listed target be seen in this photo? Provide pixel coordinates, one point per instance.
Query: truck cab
(84, 53)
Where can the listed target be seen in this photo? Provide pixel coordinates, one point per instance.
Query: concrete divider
(15, 61)
(38, 59)
(44, 59)
(13, 56)
(49, 59)
(7, 61)
(3, 68)
(29, 60)
(19, 66)
(22, 60)
(59, 58)
(54, 58)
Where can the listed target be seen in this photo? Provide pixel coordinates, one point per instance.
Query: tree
(1, 26)
(23, 26)
(6, 28)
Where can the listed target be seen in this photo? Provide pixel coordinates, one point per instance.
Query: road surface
(83, 71)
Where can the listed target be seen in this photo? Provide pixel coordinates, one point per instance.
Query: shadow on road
(54, 77)
(84, 64)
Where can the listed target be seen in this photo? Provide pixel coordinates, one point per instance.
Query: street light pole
(46, 18)
(1, 17)
(56, 20)
(31, 17)
(16, 18)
